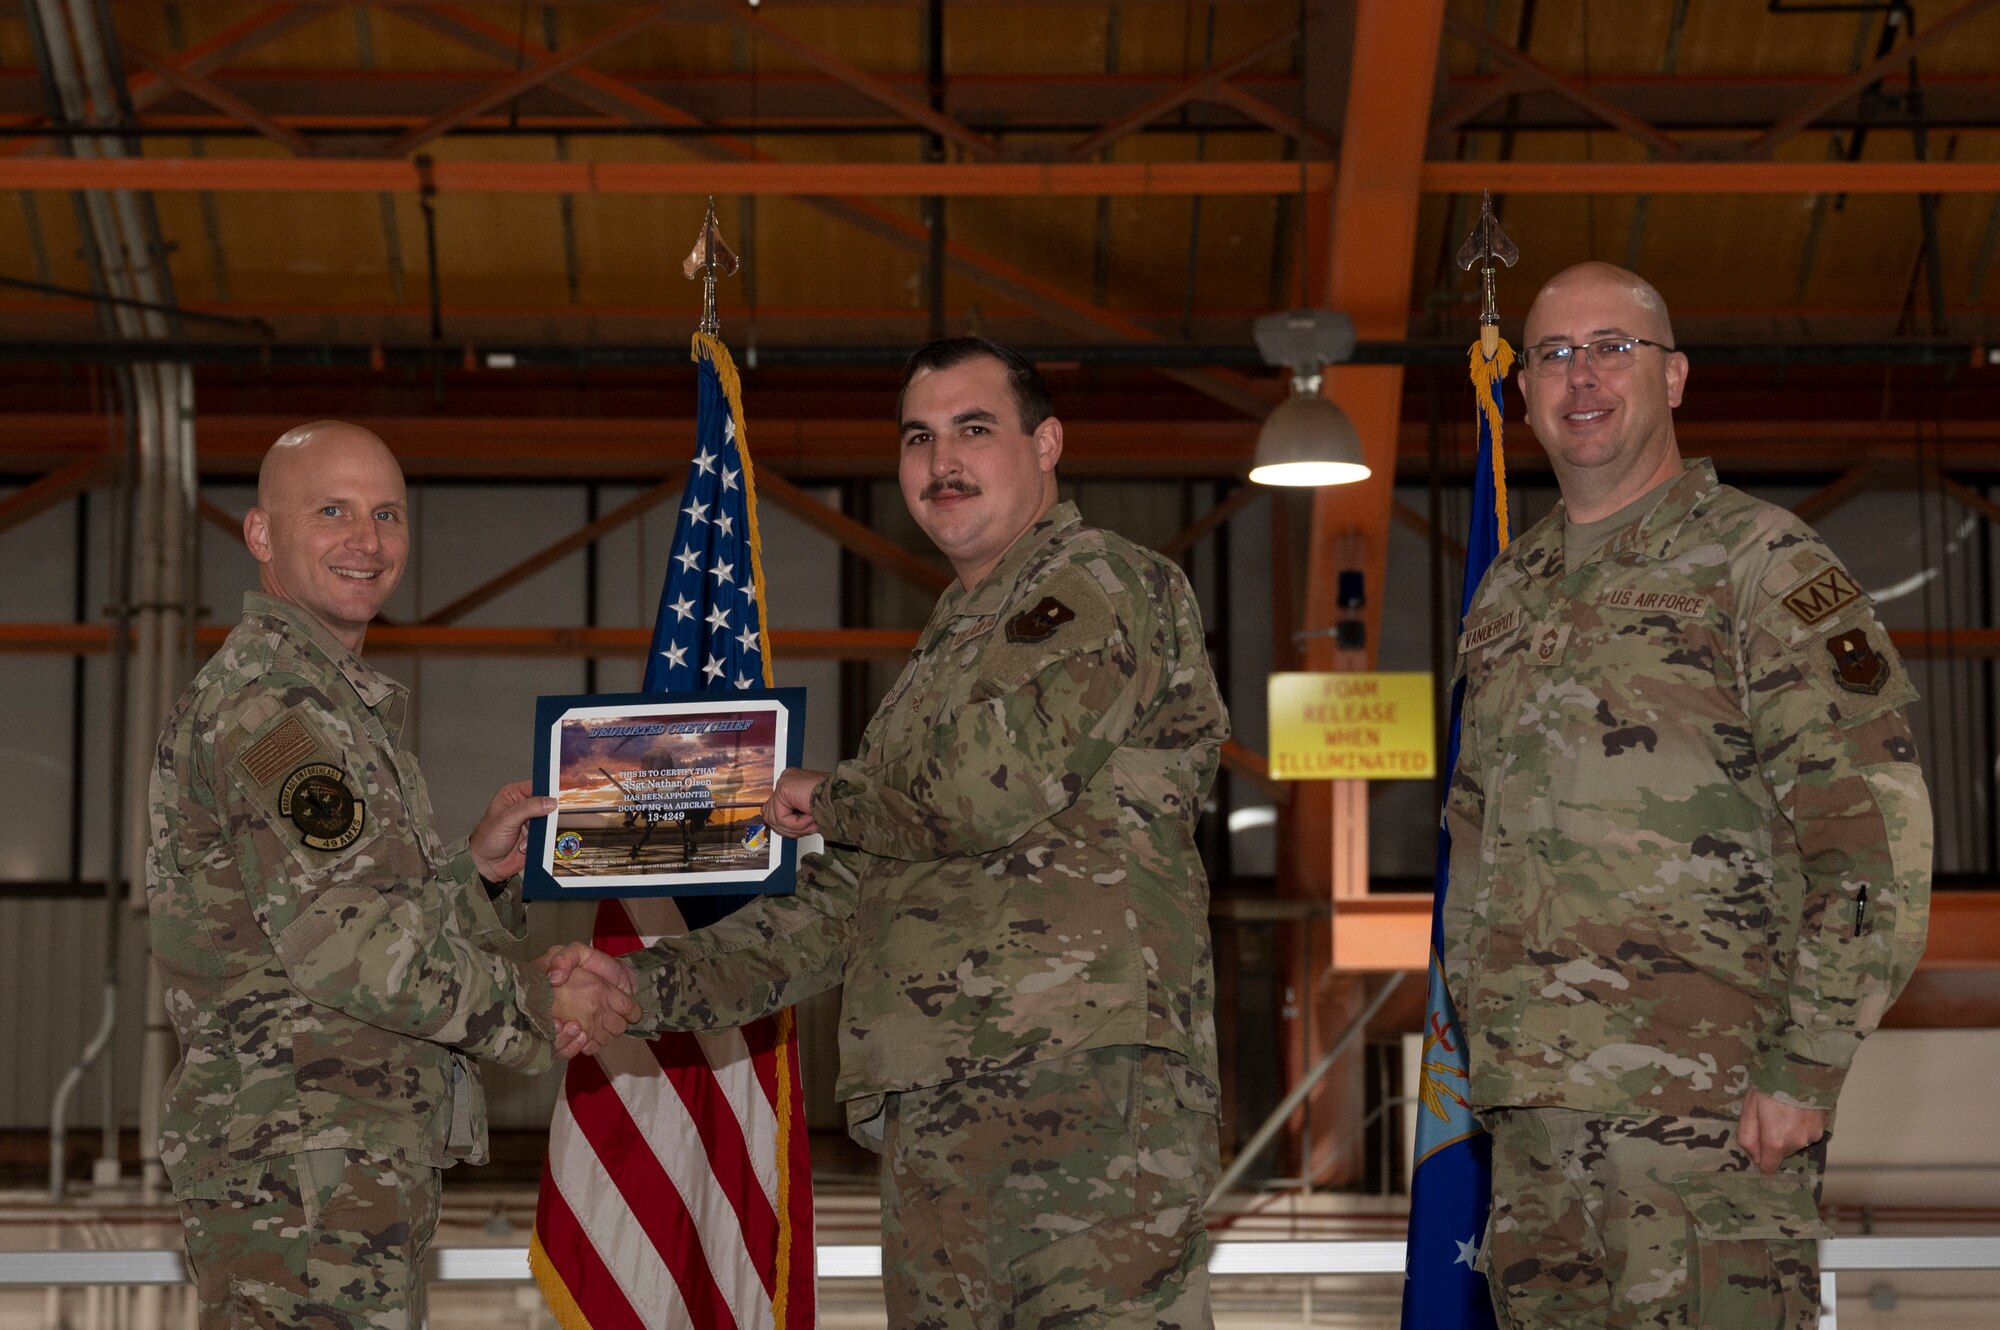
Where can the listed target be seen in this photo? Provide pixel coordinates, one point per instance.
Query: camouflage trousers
(328, 1239)
(1647, 1221)
(1063, 1193)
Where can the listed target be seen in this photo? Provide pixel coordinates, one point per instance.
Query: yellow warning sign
(1352, 727)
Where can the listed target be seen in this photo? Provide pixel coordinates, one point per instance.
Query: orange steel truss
(976, 179)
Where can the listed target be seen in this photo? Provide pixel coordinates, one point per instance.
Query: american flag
(678, 1189)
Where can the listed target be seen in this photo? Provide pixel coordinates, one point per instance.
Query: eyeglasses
(1612, 353)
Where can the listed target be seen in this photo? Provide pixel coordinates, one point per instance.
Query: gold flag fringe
(554, 1292)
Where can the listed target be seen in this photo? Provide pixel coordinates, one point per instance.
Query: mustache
(937, 487)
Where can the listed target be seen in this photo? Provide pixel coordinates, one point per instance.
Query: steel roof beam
(199, 60)
(56, 487)
(986, 179)
(1047, 299)
(807, 448)
(1370, 260)
(1015, 102)
(1816, 106)
(1196, 89)
(1271, 117)
(1476, 101)
(547, 67)
(238, 110)
(414, 5)
(1568, 89)
(877, 90)
(1711, 177)
(89, 639)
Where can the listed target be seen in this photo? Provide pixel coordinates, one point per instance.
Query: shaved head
(331, 525)
(293, 453)
(1648, 312)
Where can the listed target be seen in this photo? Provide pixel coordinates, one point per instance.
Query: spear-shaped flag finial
(1486, 244)
(710, 258)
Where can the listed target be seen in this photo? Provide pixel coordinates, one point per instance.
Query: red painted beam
(91, 639)
(1373, 228)
(954, 179)
(1696, 177)
(586, 448)
(983, 179)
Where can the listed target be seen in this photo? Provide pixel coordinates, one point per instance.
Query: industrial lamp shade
(1308, 440)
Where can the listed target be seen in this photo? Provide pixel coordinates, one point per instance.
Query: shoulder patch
(285, 747)
(1825, 593)
(1857, 665)
(1039, 623)
(325, 811)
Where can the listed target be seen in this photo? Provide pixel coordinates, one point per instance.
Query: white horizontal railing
(510, 1264)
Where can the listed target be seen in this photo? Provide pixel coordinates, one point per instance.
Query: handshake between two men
(594, 992)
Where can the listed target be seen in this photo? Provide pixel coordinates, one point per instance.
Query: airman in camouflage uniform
(1690, 856)
(326, 955)
(1012, 900)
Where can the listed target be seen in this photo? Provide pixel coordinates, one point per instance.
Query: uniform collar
(996, 589)
(316, 642)
(1651, 537)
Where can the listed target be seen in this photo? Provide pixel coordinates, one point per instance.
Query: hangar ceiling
(370, 208)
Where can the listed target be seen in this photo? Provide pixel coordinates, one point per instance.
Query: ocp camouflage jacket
(1691, 845)
(324, 953)
(1011, 874)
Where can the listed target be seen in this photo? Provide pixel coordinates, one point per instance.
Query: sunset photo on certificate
(663, 792)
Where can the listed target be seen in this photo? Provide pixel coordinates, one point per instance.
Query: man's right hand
(789, 809)
(561, 960)
(1770, 1130)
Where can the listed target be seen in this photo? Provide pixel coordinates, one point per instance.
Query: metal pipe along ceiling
(155, 617)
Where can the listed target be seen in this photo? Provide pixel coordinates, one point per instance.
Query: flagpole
(708, 1245)
(1451, 1175)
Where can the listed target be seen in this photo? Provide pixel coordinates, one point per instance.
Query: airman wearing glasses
(1691, 852)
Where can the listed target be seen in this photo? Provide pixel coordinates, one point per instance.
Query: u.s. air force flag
(1451, 1185)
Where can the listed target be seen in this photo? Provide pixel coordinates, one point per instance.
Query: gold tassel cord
(712, 350)
(1487, 376)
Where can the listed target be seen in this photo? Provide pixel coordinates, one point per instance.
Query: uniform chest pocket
(416, 798)
(1492, 680)
(958, 683)
(907, 712)
(937, 686)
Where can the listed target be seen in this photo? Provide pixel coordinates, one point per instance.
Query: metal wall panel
(51, 971)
